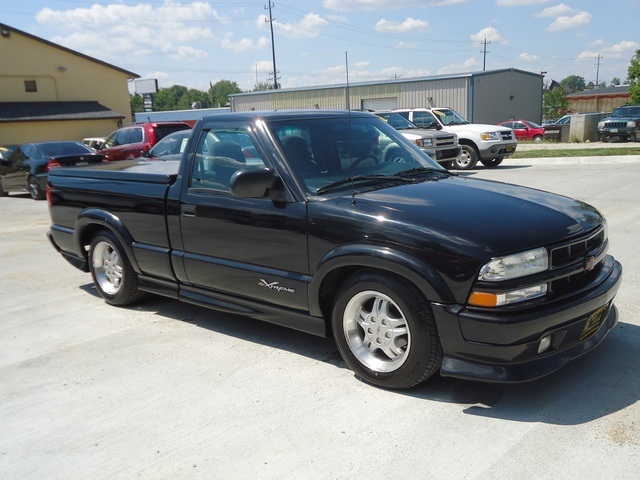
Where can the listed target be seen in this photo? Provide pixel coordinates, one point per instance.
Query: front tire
(385, 330)
(467, 159)
(492, 162)
(112, 273)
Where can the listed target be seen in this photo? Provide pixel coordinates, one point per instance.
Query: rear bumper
(503, 347)
(56, 237)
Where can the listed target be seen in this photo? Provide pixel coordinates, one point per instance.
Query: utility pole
(273, 46)
(484, 53)
(598, 58)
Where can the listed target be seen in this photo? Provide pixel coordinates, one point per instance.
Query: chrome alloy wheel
(107, 266)
(376, 331)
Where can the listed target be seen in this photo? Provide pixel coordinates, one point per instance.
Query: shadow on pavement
(593, 386)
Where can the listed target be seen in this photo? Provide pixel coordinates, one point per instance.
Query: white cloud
(309, 27)
(109, 30)
(519, 3)
(556, 11)
(623, 49)
(569, 23)
(409, 24)
(490, 34)
(528, 57)
(345, 5)
(244, 44)
(466, 66)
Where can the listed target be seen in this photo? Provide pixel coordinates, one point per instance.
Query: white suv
(489, 144)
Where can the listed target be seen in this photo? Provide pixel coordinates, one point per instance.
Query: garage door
(388, 103)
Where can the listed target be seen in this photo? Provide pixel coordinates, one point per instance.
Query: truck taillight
(53, 163)
(49, 197)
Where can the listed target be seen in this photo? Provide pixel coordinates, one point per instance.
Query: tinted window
(134, 135)
(424, 119)
(55, 149)
(164, 130)
(219, 154)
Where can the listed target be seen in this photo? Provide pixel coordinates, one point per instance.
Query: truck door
(254, 247)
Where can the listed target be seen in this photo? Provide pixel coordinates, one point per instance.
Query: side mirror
(253, 182)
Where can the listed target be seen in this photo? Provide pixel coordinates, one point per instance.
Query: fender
(90, 217)
(381, 258)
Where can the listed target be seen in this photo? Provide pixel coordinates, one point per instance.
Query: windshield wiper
(361, 178)
(419, 170)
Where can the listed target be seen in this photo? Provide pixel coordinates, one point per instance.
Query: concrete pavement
(165, 390)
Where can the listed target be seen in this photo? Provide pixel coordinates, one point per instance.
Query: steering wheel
(361, 159)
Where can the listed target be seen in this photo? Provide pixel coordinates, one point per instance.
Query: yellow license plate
(593, 322)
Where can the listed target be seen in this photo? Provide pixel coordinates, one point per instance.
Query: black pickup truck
(332, 222)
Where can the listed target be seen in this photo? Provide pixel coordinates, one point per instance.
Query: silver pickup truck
(443, 147)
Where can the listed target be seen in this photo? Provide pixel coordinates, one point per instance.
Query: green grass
(577, 152)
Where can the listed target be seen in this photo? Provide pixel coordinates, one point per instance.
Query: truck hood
(496, 217)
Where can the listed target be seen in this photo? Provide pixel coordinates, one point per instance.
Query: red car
(131, 141)
(525, 130)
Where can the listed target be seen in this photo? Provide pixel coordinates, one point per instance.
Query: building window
(30, 86)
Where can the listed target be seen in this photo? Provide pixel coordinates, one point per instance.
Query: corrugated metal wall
(506, 95)
(496, 96)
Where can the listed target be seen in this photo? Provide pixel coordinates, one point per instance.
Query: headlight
(600, 125)
(489, 136)
(424, 142)
(631, 124)
(515, 266)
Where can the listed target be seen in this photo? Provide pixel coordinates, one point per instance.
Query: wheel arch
(343, 261)
(91, 221)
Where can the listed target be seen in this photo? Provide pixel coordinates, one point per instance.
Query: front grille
(616, 124)
(581, 254)
(507, 135)
(576, 250)
(445, 141)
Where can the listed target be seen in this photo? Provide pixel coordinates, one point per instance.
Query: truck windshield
(448, 116)
(323, 151)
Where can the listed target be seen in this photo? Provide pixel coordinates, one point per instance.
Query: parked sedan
(28, 165)
(525, 130)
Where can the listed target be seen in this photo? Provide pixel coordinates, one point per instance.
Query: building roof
(47, 111)
(391, 81)
(7, 28)
(622, 90)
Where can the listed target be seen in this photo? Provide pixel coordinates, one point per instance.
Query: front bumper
(495, 150)
(503, 346)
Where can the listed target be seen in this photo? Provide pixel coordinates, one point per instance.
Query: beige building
(49, 92)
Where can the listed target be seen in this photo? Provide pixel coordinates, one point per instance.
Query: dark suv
(623, 123)
(131, 140)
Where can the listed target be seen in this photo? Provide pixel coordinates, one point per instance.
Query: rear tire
(467, 159)
(34, 189)
(385, 330)
(112, 273)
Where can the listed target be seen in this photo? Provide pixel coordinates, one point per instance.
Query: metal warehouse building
(482, 97)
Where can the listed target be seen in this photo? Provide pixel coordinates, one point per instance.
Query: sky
(320, 42)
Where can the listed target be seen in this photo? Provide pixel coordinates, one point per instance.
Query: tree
(135, 101)
(169, 98)
(615, 81)
(262, 86)
(633, 75)
(221, 90)
(554, 103)
(573, 84)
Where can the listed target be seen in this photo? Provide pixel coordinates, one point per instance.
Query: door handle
(188, 210)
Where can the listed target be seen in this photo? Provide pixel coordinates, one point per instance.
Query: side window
(519, 125)
(423, 119)
(120, 137)
(219, 154)
(134, 135)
